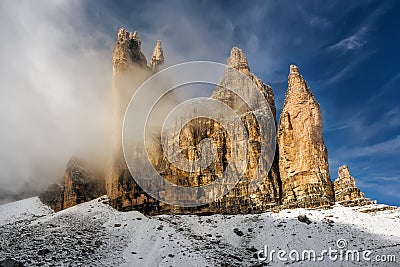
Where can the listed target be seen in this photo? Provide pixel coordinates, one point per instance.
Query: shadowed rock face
(80, 184)
(346, 191)
(53, 196)
(303, 158)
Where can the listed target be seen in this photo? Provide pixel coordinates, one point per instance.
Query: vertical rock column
(129, 71)
(157, 58)
(303, 157)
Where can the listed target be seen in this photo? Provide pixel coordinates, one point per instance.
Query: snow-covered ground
(94, 234)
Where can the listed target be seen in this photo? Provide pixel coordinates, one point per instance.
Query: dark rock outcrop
(53, 197)
(80, 184)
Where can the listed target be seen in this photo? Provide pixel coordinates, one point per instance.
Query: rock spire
(238, 60)
(157, 58)
(346, 191)
(303, 157)
(127, 52)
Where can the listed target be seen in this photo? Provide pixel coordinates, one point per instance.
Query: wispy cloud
(347, 70)
(353, 42)
(359, 37)
(362, 127)
(385, 148)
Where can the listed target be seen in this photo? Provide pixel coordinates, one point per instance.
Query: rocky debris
(80, 184)
(303, 157)
(238, 232)
(75, 238)
(80, 238)
(346, 191)
(303, 218)
(157, 58)
(10, 263)
(43, 251)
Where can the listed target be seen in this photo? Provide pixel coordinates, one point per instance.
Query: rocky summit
(346, 191)
(299, 174)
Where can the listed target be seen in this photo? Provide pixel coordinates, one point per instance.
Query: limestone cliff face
(125, 194)
(79, 184)
(268, 194)
(346, 191)
(240, 199)
(299, 176)
(303, 158)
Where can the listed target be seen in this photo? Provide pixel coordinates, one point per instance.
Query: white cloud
(385, 148)
(54, 81)
(353, 42)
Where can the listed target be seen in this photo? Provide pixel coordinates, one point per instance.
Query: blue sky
(346, 50)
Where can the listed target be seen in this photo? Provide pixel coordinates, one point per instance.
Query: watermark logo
(146, 118)
(338, 253)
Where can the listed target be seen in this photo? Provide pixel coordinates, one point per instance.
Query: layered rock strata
(346, 191)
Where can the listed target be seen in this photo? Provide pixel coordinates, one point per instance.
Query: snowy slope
(94, 234)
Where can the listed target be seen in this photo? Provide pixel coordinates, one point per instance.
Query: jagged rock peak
(345, 186)
(157, 58)
(238, 60)
(294, 69)
(127, 52)
(344, 172)
(295, 80)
